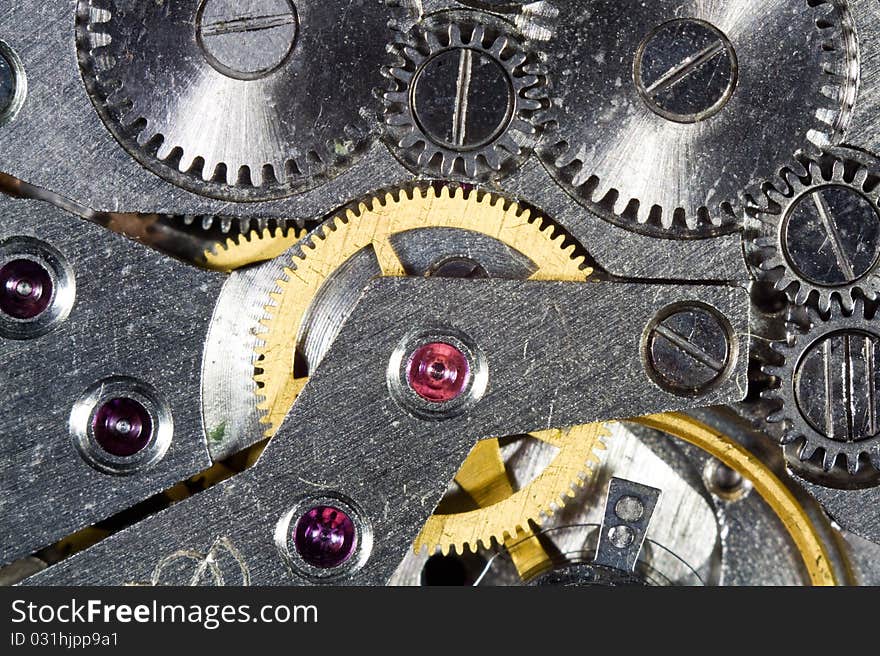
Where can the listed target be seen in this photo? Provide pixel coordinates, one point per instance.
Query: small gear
(465, 99)
(240, 101)
(250, 248)
(678, 109)
(506, 514)
(828, 386)
(819, 236)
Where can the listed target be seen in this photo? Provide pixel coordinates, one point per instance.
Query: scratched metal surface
(118, 326)
(317, 450)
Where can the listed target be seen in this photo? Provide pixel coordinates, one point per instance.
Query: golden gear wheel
(371, 224)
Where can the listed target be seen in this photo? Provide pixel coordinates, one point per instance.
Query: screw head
(831, 236)
(462, 99)
(686, 70)
(621, 536)
(25, 289)
(7, 84)
(835, 383)
(247, 41)
(629, 508)
(688, 349)
(13, 84)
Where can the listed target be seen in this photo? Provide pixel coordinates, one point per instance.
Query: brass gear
(507, 513)
(371, 225)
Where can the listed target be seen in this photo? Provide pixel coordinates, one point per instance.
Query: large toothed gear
(818, 238)
(828, 389)
(466, 99)
(238, 100)
(682, 107)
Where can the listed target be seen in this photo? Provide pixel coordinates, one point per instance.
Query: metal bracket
(628, 511)
(348, 410)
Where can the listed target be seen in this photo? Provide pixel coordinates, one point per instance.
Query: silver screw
(688, 349)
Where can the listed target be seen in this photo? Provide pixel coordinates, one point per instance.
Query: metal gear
(228, 99)
(380, 237)
(827, 385)
(675, 87)
(819, 237)
(504, 513)
(465, 99)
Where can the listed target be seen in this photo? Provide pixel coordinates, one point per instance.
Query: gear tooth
(846, 302)
(807, 450)
(853, 463)
(454, 33)
(477, 36)
(829, 458)
(861, 178)
(801, 294)
(858, 308)
(775, 417)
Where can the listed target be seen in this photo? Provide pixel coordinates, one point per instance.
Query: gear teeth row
(251, 248)
(208, 161)
(825, 396)
(494, 525)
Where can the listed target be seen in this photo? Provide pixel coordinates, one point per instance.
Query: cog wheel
(505, 514)
(465, 99)
(418, 231)
(827, 389)
(685, 107)
(819, 237)
(230, 99)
